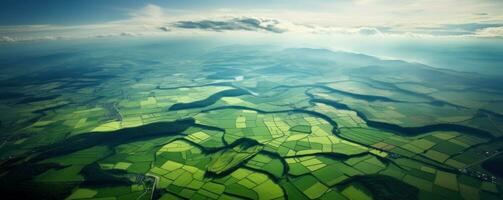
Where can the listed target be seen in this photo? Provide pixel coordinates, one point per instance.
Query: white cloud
(369, 18)
(490, 32)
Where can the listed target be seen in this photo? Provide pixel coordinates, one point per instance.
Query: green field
(244, 122)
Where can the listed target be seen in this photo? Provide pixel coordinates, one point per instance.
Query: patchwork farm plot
(274, 124)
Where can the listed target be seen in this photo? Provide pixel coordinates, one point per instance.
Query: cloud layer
(241, 23)
(369, 18)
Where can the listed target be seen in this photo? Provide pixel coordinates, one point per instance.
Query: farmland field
(174, 120)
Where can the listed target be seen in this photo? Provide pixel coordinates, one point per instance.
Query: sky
(461, 34)
(22, 20)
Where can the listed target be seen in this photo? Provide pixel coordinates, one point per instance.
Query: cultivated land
(246, 123)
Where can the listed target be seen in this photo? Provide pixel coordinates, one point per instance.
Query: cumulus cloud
(241, 23)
